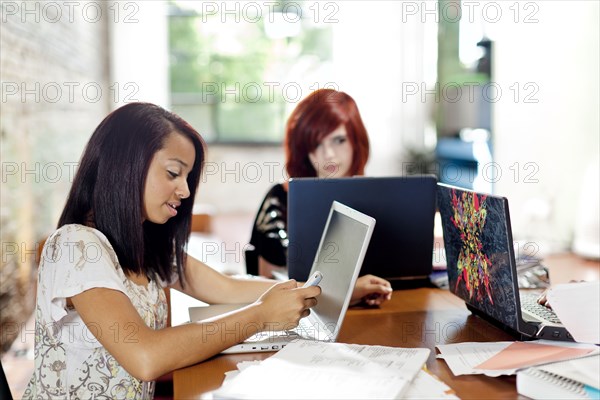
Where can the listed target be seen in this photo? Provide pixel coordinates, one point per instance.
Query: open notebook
(339, 257)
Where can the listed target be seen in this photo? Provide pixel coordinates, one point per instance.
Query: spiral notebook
(572, 379)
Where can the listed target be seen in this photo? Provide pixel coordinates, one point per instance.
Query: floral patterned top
(70, 363)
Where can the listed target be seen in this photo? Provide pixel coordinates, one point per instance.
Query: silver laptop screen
(339, 257)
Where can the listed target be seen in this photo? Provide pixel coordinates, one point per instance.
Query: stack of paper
(318, 370)
(505, 358)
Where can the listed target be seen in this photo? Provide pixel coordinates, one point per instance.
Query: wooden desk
(413, 318)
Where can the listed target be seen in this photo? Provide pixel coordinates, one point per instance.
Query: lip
(331, 168)
(173, 208)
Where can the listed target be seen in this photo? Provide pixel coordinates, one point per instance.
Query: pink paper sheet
(522, 354)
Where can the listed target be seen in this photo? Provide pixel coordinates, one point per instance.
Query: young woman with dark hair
(101, 310)
(325, 137)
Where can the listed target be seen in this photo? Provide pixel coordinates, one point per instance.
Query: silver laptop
(339, 257)
(481, 265)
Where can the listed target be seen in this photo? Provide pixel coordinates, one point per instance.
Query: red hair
(319, 114)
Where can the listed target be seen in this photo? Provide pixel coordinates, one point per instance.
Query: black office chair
(251, 257)
(4, 388)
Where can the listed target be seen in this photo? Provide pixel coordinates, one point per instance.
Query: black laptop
(401, 248)
(481, 265)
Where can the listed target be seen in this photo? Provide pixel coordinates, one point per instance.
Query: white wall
(558, 134)
(139, 58)
(236, 179)
(375, 52)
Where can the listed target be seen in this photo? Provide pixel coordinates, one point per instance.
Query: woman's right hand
(543, 298)
(282, 306)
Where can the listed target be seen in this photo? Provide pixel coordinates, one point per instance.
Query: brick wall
(55, 90)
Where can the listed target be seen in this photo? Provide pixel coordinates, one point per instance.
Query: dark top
(269, 234)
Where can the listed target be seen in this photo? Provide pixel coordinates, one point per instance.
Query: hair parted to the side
(108, 189)
(316, 116)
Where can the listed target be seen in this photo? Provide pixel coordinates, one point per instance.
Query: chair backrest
(4, 388)
(201, 223)
(251, 257)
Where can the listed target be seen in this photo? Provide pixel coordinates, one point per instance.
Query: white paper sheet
(462, 358)
(578, 307)
(316, 370)
(299, 382)
(427, 386)
(424, 385)
(404, 362)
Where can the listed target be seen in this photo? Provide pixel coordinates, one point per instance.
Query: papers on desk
(428, 386)
(424, 386)
(318, 370)
(578, 307)
(505, 358)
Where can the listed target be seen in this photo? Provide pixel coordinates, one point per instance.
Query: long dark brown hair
(108, 189)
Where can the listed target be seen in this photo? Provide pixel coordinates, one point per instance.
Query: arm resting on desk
(147, 353)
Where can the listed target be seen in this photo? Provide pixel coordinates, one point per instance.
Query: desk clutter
(323, 370)
(320, 370)
(544, 369)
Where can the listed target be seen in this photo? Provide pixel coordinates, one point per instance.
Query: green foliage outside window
(232, 81)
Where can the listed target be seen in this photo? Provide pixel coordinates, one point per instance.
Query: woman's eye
(173, 174)
(340, 140)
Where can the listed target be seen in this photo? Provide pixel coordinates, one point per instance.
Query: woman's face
(166, 183)
(333, 156)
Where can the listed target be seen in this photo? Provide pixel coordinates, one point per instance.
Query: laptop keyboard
(303, 330)
(529, 304)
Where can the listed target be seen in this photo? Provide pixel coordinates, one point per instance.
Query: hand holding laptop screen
(314, 279)
(335, 268)
(279, 306)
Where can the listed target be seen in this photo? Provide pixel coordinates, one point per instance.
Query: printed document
(489, 358)
(317, 370)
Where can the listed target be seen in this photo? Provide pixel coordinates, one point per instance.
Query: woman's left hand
(372, 290)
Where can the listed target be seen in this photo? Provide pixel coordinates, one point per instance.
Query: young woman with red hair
(325, 138)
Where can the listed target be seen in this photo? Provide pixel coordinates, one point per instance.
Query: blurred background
(501, 97)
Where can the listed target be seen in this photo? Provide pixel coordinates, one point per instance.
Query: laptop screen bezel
(369, 223)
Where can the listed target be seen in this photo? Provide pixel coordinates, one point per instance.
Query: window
(238, 68)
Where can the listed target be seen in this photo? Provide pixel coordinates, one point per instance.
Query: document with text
(316, 370)
(505, 358)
